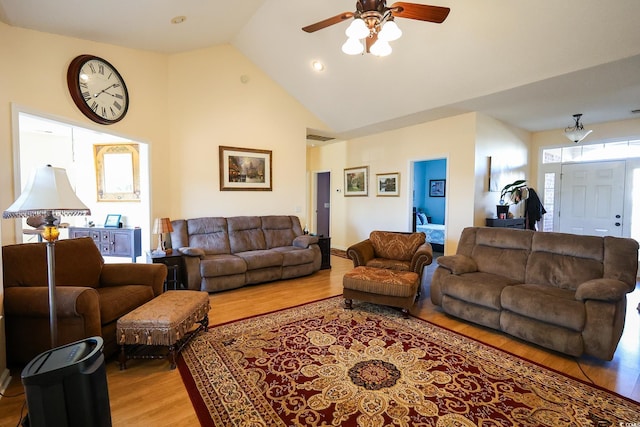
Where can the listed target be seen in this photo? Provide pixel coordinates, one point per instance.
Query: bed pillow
(422, 218)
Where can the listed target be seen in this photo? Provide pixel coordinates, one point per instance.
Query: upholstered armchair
(90, 295)
(393, 250)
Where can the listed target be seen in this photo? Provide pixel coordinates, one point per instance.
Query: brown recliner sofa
(561, 291)
(90, 295)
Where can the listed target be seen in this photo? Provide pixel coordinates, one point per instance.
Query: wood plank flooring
(149, 394)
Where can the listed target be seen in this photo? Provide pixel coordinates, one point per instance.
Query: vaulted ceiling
(529, 63)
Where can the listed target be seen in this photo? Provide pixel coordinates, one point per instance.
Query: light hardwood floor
(149, 394)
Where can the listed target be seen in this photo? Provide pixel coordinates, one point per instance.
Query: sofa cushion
(116, 301)
(278, 230)
(545, 303)
(209, 234)
(261, 259)
(393, 245)
(221, 265)
(245, 234)
(478, 288)
(561, 271)
(292, 255)
(390, 264)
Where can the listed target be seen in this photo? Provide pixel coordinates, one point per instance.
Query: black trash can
(67, 386)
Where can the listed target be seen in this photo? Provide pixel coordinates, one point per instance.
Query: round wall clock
(97, 89)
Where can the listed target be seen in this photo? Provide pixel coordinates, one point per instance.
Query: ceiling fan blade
(422, 12)
(327, 22)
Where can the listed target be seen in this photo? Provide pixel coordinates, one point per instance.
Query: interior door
(323, 203)
(592, 198)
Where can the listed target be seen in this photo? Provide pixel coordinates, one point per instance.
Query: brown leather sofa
(227, 253)
(561, 291)
(90, 295)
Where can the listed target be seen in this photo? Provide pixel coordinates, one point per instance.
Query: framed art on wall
(388, 184)
(356, 181)
(437, 187)
(245, 169)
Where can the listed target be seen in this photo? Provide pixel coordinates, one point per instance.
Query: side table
(175, 266)
(325, 249)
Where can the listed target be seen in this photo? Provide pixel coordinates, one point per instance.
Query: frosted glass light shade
(352, 46)
(390, 32)
(381, 48)
(357, 30)
(577, 135)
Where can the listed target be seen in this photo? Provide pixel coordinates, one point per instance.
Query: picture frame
(245, 169)
(356, 181)
(112, 221)
(388, 184)
(437, 187)
(117, 172)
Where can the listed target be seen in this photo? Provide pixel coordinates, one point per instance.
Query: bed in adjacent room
(434, 232)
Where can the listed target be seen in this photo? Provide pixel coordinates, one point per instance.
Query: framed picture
(356, 181)
(113, 220)
(437, 187)
(117, 172)
(244, 169)
(388, 184)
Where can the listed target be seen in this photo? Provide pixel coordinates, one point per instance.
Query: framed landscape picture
(356, 181)
(388, 184)
(437, 187)
(245, 169)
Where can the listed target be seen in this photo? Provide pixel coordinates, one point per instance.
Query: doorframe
(313, 217)
(145, 162)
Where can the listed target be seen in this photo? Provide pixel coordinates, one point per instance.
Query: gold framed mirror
(117, 172)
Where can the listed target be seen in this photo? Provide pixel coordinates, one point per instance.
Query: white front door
(592, 198)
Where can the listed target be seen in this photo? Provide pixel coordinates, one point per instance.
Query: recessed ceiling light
(317, 65)
(178, 19)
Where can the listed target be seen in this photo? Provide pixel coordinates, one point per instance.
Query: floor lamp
(48, 194)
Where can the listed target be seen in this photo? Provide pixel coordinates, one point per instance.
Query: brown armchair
(90, 295)
(388, 269)
(393, 250)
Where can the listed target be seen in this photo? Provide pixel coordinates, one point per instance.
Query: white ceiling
(529, 63)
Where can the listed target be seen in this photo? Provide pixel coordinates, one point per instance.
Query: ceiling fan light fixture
(353, 46)
(357, 29)
(577, 132)
(381, 48)
(390, 32)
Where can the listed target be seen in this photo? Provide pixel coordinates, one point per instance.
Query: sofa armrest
(152, 275)
(422, 258)
(361, 253)
(458, 264)
(602, 290)
(189, 251)
(305, 241)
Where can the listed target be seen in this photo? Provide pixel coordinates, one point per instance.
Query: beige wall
(352, 218)
(210, 106)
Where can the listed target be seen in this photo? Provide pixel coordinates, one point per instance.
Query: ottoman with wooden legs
(167, 321)
(394, 288)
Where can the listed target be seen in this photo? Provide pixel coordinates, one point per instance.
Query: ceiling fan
(374, 21)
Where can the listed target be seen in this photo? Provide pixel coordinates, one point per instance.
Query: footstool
(381, 286)
(167, 321)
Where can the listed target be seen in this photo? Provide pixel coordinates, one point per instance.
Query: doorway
(592, 198)
(429, 200)
(42, 140)
(323, 203)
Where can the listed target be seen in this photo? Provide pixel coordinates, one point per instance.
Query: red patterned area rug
(321, 365)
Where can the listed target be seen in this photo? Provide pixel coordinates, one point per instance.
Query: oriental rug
(321, 365)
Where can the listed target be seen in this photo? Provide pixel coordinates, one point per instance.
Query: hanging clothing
(533, 210)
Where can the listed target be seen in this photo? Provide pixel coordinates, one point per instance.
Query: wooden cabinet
(505, 223)
(116, 242)
(175, 269)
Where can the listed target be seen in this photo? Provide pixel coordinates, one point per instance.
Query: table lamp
(160, 227)
(48, 193)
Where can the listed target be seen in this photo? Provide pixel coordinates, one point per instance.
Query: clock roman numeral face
(102, 89)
